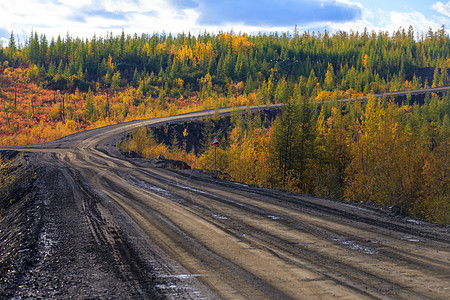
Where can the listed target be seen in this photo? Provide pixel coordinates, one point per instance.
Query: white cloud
(74, 3)
(391, 21)
(416, 19)
(442, 8)
(84, 18)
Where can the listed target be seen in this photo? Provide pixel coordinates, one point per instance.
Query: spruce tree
(286, 140)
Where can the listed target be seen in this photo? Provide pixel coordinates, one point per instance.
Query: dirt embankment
(20, 225)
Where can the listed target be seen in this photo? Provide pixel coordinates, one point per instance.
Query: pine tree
(12, 43)
(115, 82)
(282, 91)
(12, 48)
(249, 85)
(311, 83)
(329, 78)
(307, 137)
(286, 140)
(443, 81)
(60, 68)
(52, 69)
(436, 78)
(89, 108)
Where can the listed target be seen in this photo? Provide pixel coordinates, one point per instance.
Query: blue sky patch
(275, 13)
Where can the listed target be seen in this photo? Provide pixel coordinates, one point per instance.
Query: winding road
(183, 234)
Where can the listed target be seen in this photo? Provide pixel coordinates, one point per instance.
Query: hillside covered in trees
(69, 84)
(388, 153)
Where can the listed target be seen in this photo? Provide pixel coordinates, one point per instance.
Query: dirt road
(111, 227)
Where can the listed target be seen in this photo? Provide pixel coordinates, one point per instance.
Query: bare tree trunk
(62, 110)
(107, 104)
(5, 109)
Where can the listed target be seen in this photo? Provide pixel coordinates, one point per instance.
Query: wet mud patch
(19, 224)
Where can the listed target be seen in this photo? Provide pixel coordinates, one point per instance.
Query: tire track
(206, 213)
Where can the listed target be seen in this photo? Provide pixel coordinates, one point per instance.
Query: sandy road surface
(182, 234)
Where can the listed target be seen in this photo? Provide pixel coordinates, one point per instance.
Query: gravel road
(94, 224)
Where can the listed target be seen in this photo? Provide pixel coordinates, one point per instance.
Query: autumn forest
(392, 153)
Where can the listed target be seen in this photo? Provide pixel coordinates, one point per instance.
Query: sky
(84, 18)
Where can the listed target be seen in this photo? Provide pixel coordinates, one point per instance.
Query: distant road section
(412, 92)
